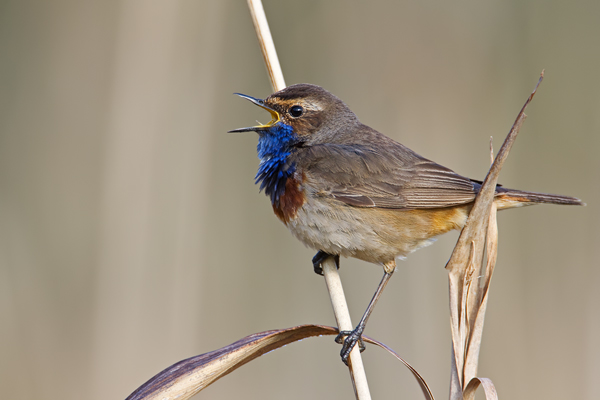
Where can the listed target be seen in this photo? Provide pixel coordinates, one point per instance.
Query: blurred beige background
(132, 235)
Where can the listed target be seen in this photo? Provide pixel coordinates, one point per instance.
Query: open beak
(261, 103)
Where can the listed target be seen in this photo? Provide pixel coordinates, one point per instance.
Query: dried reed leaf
(186, 378)
(468, 279)
(472, 356)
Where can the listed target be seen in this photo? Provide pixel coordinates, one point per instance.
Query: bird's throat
(275, 145)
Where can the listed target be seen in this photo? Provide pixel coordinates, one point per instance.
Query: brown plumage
(345, 189)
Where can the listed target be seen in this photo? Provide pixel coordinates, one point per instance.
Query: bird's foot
(322, 256)
(350, 340)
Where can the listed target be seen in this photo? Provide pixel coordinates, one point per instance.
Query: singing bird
(344, 189)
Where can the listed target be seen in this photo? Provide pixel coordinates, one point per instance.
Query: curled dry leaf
(188, 377)
(488, 388)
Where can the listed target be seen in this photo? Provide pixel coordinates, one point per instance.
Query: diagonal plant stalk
(342, 317)
(332, 277)
(267, 47)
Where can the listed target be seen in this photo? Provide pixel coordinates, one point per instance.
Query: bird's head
(308, 113)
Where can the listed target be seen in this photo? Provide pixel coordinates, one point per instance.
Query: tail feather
(508, 198)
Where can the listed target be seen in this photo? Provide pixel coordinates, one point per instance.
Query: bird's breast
(291, 199)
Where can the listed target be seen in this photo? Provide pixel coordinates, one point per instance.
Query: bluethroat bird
(344, 189)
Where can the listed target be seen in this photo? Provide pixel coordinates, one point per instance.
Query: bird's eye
(296, 111)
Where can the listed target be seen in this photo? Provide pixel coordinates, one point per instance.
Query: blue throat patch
(274, 147)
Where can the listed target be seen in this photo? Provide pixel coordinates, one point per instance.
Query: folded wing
(390, 176)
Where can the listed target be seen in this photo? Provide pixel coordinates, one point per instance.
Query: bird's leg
(356, 335)
(322, 256)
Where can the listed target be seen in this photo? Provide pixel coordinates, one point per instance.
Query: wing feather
(389, 176)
